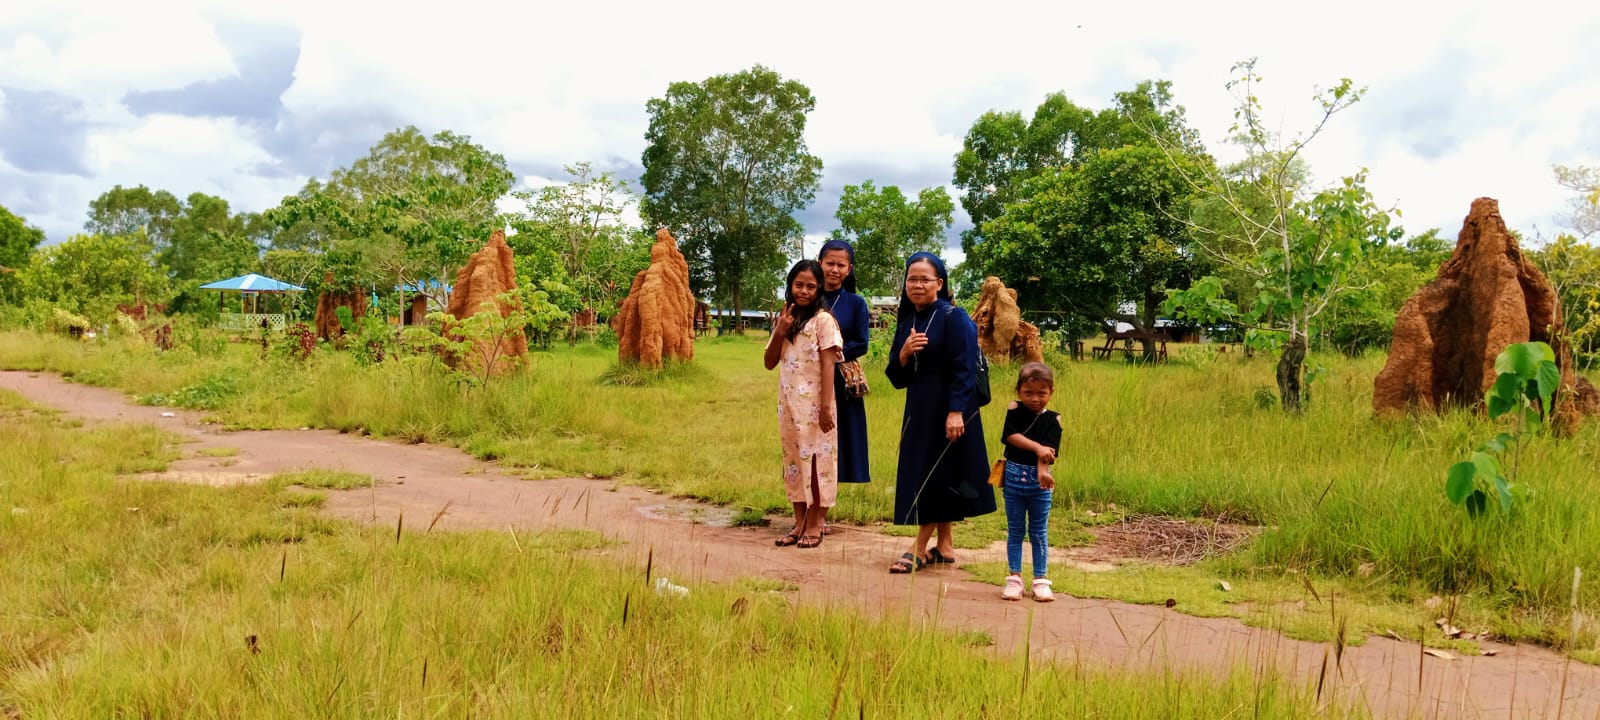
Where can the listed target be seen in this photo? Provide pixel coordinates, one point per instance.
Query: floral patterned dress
(800, 389)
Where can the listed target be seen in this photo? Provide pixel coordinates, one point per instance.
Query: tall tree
(18, 240)
(208, 242)
(725, 167)
(581, 223)
(412, 209)
(121, 211)
(1302, 244)
(886, 227)
(1088, 238)
(1078, 210)
(1002, 150)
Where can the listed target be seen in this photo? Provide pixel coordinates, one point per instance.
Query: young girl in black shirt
(1032, 435)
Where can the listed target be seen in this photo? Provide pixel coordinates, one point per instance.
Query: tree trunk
(1291, 366)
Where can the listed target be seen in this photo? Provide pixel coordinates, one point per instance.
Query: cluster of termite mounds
(1487, 296)
(656, 322)
(1003, 335)
(488, 283)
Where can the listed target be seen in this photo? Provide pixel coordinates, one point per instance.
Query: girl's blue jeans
(1027, 511)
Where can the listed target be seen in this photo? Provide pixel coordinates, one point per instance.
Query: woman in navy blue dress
(944, 467)
(839, 296)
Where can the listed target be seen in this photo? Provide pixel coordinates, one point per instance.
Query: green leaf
(1504, 396)
(1477, 502)
(1517, 359)
(1548, 381)
(1503, 489)
(1459, 484)
(1499, 442)
(1486, 464)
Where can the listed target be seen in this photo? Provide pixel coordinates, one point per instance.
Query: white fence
(251, 321)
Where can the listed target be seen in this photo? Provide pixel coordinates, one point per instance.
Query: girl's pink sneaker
(1041, 590)
(1013, 589)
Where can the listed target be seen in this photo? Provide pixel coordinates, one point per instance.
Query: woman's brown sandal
(789, 538)
(809, 541)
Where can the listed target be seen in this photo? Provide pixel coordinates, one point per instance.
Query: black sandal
(907, 563)
(789, 538)
(938, 558)
(809, 541)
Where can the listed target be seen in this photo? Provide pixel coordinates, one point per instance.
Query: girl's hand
(825, 420)
(1047, 481)
(785, 319)
(915, 342)
(954, 426)
(1047, 455)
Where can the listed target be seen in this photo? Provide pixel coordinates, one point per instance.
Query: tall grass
(136, 599)
(1338, 490)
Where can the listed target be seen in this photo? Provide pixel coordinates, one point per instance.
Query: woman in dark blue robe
(944, 467)
(839, 296)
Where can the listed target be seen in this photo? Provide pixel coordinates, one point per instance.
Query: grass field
(143, 599)
(1343, 497)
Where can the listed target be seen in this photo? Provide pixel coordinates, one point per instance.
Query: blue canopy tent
(250, 288)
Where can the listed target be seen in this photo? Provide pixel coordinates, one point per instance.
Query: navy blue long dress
(851, 312)
(939, 481)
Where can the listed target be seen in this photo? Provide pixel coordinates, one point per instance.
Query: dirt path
(847, 571)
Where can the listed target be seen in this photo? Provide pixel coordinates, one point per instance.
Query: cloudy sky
(247, 100)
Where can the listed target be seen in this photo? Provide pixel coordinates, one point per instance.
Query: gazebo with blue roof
(251, 287)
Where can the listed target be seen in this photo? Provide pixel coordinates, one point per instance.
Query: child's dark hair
(1036, 372)
(802, 315)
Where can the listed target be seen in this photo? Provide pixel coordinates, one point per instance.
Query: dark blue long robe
(939, 481)
(851, 312)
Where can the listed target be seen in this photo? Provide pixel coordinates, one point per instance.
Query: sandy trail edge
(848, 571)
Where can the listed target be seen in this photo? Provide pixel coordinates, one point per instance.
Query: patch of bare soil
(1161, 539)
(206, 477)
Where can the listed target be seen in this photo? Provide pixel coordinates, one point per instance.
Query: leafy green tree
(1364, 316)
(1585, 181)
(1078, 210)
(725, 167)
(18, 240)
(207, 243)
(580, 224)
(122, 211)
(886, 228)
(1088, 237)
(93, 274)
(411, 210)
(1002, 151)
(1303, 246)
(1573, 268)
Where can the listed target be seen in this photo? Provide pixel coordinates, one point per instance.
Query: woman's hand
(825, 419)
(1047, 481)
(785, 319)
(954, 426)
(1047, 455)
(915, 342)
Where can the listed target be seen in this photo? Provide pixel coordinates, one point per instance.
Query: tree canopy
(1079, 210)
(18, 241)
(412, 209)
(886, 227)
(725, 167)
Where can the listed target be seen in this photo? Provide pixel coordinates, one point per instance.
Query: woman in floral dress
(805, 344)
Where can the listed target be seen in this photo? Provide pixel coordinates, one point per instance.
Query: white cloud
(896, 85)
